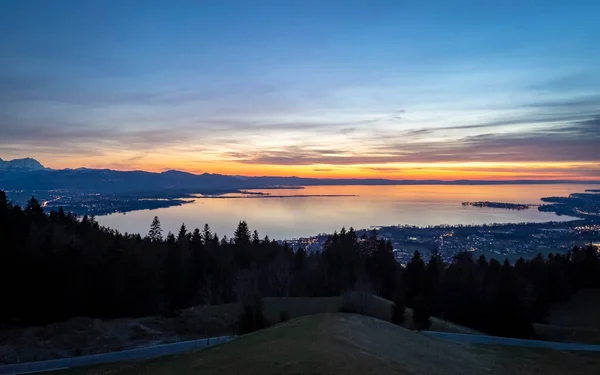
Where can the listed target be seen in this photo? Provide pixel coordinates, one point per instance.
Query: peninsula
(507, 206)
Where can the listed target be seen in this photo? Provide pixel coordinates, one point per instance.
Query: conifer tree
(155, 233)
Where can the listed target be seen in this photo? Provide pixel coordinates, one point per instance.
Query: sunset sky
(390, 89)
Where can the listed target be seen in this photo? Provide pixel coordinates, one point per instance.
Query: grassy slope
(581, 310)
(352, 344)
(566, 334)
(576, 320)
(222, 318)
(377, 307)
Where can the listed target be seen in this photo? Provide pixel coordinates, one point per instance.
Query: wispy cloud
(548, 112)
(573, 141)
(588, 101)
(322, 169)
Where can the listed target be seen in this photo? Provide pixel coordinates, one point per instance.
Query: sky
(328, 88)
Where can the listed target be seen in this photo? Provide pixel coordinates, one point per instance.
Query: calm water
(291, 217)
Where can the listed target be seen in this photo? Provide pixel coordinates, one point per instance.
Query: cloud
(577, 141)
(72, 151)
(592, 101)
(569, 82)
(52, 134)
(239, 123)
(95, 90)
(385, 169)
(524, 119)
(226, 119)
(135, 158)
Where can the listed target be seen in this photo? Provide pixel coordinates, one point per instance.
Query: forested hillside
(56, 266)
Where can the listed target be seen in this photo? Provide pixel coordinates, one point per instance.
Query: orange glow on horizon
(398, 171)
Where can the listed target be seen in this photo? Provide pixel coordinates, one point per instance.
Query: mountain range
(29, 174)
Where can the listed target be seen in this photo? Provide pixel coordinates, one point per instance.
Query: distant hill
(117, 182)
(29, 174)
(21, 165)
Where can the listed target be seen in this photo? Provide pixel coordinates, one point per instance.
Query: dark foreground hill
(84, 336)
(353, 344)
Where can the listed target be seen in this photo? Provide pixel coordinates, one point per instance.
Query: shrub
(398, 310)
(284, 316)
(355, 303)
(421, 313)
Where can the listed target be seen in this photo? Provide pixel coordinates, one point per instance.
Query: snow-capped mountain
(26, 164)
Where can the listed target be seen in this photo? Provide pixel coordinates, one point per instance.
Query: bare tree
(280, 275)
(360, 300)
(206, 290)
(246, 283)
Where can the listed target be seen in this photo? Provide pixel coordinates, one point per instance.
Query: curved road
(495, 340)
(125, 355)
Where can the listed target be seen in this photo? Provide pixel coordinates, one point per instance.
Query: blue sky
(304, 87)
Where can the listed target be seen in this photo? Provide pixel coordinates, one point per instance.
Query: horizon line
(358, 179)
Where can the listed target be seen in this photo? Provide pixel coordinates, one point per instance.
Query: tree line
(56, 266)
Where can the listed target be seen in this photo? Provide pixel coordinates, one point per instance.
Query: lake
(292, 217)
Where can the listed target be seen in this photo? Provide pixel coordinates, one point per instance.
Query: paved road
(125, 355)
(494, 340)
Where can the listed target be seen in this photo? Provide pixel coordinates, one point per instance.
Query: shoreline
(257, 196)
(565, 209)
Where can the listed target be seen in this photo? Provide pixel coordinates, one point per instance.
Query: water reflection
(369, 206)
